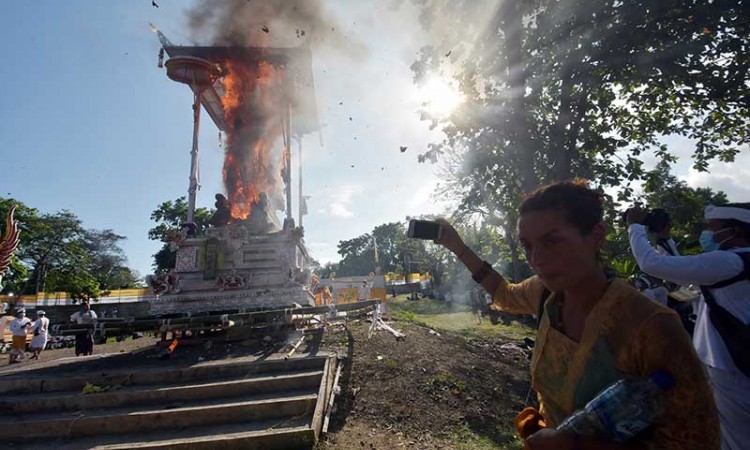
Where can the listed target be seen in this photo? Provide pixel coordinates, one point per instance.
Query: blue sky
(90, 124)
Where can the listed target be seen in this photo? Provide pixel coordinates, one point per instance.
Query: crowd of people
(595, 328)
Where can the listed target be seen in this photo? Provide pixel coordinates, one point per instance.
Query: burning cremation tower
(258, 97)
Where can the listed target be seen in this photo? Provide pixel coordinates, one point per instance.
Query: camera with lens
(656, 219)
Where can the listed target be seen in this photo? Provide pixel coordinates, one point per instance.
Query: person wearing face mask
(721, 329)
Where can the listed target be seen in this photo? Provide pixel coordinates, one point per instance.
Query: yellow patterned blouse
(625, 335)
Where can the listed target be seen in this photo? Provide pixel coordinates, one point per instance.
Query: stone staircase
(274, 404)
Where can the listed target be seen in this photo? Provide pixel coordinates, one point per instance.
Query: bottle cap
(663, 380)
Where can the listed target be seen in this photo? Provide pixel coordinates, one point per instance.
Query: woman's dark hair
(583, 206)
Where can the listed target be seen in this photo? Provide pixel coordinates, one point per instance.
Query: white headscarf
(726, 212)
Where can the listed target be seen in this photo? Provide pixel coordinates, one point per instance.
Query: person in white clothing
(659, 226)
(18, 329)
(364, 291)
(40, 329)
(726, 237)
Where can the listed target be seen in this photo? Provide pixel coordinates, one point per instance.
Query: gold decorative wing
(9, 242)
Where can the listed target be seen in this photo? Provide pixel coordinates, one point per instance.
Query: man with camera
(658, 224)
(722, 329)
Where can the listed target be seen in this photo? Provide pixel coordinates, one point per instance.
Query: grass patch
(456, 319)
(406, 315)
(447, 382)
(391, 364)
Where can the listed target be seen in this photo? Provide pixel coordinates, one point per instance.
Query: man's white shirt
(702, 269)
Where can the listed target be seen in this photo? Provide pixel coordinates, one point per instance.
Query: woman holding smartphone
(593, 330)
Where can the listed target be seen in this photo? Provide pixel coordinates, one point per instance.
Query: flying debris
(153, 3)
(403, 148)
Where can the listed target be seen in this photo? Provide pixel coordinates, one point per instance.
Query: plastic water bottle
(622, 410)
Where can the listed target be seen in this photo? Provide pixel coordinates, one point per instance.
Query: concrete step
(143, 395)
(201, 371)
(261, 435)
(147, 419)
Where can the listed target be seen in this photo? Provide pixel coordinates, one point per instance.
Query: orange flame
(251, 109)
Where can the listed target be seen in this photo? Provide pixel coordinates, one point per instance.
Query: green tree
(684, 204)
(389, 238)
(107, 260)
(556, 89)
(330, 268)
(357, 256)
(55, 248)
(393, 251)
(56, 253)
(169, 216)
(403, 255)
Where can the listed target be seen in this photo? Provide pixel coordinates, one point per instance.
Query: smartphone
(424, 229)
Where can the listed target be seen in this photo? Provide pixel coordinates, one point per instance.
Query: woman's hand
(551, 439)
(449, 237)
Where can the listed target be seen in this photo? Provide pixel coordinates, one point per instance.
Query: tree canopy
(169, 217)
(56, 253)
(556, 89)
(399, 254)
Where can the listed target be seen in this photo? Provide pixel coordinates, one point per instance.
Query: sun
(440, 98)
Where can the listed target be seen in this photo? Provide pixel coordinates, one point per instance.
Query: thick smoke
(270, 23)
(256, 94)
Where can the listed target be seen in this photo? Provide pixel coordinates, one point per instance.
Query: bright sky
(90, 124)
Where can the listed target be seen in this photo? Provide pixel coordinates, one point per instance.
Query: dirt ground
(428, 391)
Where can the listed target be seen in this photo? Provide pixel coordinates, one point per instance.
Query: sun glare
(440, 98)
